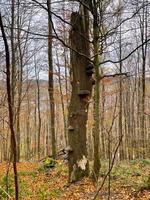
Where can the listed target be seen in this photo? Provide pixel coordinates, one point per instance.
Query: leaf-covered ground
(129, 181)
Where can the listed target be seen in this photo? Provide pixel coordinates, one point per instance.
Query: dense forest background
(74, 80)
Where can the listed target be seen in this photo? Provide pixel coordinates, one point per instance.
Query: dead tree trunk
(81, 73)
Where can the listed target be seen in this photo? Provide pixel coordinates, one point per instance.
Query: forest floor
(129, 181)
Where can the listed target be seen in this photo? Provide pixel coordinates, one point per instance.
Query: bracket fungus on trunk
(89, 70)
(84, 93)
(70, 128)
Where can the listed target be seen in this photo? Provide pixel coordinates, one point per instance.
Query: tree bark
(120, 126)
(10, 108)
(96, 128)
(79, 103)
(39, 112)
(51, 81)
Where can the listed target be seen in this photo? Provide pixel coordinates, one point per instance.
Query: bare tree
(10, 107)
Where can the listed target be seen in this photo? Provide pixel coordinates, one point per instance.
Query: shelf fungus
(69, 149)
(89, 70)
(70, 128)
(84, 93)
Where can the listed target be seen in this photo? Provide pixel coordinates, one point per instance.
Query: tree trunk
(96, 128)
(51, 81)
(62, 100)
(102, 107)
(10, 108)
(39, 112)
(28, 138)
(120, 127)
(20, 80)
(144, 33)
(81, 93)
